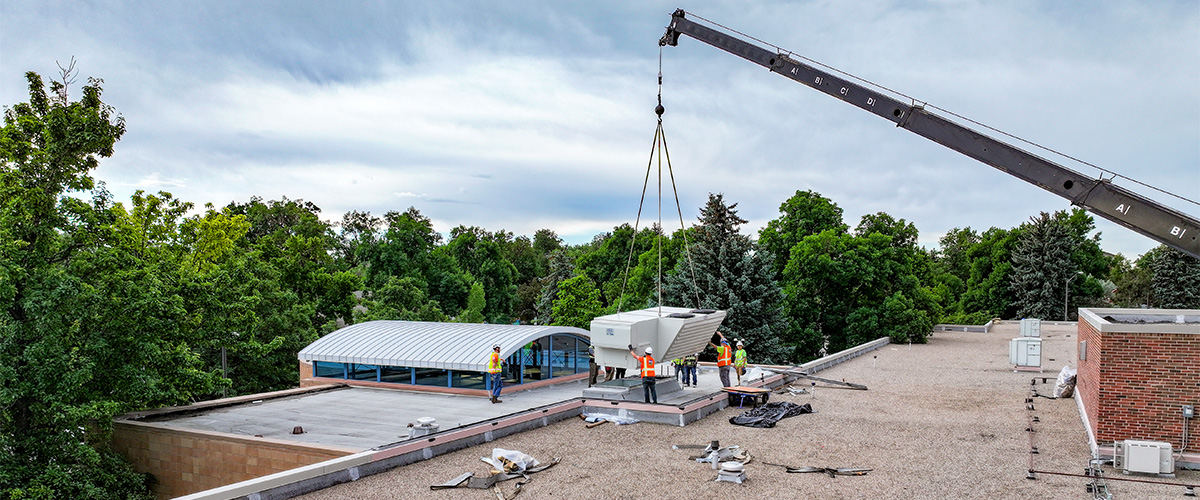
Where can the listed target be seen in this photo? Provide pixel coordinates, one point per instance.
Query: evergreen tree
(1176, 281)
(1042, 267)
(562, 268)
(731, 276)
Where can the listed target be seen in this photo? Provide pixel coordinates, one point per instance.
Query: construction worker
(495, 364)
(689, 369)
(646, 364)
(739, 361)
(678, 364)
(593, 370)
(724, 359)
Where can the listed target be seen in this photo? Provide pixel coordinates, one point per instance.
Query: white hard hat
(649, 350)
(739, 343)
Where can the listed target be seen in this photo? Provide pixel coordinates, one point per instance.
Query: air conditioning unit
(1149, 457)
(1031, 327)
(1025, 351)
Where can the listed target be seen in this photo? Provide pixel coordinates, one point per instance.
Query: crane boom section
(1100, 196)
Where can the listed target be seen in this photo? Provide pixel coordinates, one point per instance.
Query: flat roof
(1129, 320)
(420, 344)
(942, 420)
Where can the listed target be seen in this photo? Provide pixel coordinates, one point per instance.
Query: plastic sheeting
(769, 414)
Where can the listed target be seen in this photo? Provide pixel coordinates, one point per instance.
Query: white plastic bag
(1064, 387)
(521, 460)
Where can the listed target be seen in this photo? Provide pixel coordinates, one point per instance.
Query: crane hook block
(659, 110)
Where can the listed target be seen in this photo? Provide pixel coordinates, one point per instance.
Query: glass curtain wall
(557, 355)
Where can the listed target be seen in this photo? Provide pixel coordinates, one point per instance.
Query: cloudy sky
(522, 115)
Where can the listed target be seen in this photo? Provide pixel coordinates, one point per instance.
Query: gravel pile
(945, 420)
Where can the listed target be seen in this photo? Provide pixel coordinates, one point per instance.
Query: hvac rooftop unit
(1150, 457)
(673, 332)
(1025, 351)
(1031, 327)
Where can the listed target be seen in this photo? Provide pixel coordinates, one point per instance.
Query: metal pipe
(1107, 478)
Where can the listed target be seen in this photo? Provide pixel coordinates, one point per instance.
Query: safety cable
(789, 53)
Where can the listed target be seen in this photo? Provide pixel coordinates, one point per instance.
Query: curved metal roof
(449, 346)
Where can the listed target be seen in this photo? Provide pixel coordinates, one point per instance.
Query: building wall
(1088, 383)
(1133, 384)
(188, 461)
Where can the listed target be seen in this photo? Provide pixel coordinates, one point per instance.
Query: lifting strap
(659, 145)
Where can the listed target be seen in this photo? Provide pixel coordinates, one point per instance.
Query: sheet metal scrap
(470, 480)
(830, 471)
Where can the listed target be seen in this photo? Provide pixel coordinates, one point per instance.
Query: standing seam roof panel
(454, 346)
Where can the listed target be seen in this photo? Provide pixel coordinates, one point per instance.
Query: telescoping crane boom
(1100, 196)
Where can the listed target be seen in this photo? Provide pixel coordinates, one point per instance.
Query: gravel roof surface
(944, 420)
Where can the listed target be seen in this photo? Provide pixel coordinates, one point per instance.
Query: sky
(540, 114)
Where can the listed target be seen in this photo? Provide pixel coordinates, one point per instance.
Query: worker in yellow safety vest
(724, 359)
(739, 361)
(495, 362)
(646, 365)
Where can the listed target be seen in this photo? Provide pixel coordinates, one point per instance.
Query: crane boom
(1100, 196)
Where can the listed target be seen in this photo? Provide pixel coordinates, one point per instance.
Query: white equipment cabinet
(673, 332)
(1025, 352)
(1031, 327)
(1147, 457)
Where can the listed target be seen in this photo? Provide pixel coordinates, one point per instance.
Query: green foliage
(805, 213)
(1176, 281)
(88, 329)
(1041, 268)
(578, 302)
(730, 275)
(987, 288)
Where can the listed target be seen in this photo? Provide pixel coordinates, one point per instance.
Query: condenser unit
(1149, 457)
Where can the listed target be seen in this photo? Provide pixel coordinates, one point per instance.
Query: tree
(1176, 281)
(987, 290)
(805, 213)
(561, 268)
(86, 331)
(480, 254)
(578, 302)
(1042, 267)
(731, 275)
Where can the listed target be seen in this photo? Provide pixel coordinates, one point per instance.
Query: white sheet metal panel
(671, 337)
(448, 346)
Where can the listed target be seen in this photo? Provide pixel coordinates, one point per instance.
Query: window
(431, 376)
(363, 372)
(328, 369)
(396, 374)
(468, 380)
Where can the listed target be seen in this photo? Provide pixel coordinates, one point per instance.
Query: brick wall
(188, 461)
(1088, 383)
(1145, 377)
(1134, 382)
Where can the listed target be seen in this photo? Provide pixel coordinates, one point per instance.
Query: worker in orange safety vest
(495, 362)
(724, 359)
(646, 365)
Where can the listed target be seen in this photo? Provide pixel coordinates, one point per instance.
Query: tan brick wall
(187, 461)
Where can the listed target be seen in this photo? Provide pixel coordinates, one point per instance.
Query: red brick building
(1137, 369)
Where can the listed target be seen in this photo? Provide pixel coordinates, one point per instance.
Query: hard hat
(739, 343)
(649, 350)
(497, 346)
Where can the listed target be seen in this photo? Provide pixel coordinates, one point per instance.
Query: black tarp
(767, 415)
